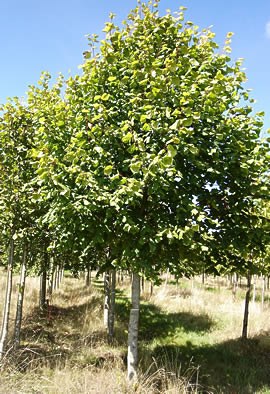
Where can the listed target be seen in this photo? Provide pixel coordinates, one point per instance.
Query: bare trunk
(87, 277)
(19, 311)
(43, 282)
(50, 279)
(111, 316)
(142, 284)
(235, 285)
(263, 291)
(133, 328)
(106, 298)
(246, 311)
(59, 270)
(254, 289)
(5, 324)
(151, 289)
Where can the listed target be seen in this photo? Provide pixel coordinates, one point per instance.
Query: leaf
(127, 138)
(187, 122)
(105, 97)
(112, 78)
(108, 170)
(175, 125)
(135, 167)
(171, 151)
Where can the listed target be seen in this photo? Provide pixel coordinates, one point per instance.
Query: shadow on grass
(234, 366)
(155, 324)
(230, 367)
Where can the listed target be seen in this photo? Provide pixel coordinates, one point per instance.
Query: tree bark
(254, 289)
(246, 311)
(263, 291)
(235, 285)
(133, 328)
(43, 282)
(111, 316)
(20, 299)
(87, 277)
(51, 278)
(106, 298)
(5, 324)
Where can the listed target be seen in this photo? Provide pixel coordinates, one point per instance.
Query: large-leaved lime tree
(165, 147)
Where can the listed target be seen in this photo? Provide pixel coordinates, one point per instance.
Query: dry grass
(187, 332)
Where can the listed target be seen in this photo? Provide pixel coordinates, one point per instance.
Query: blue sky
(49, 35)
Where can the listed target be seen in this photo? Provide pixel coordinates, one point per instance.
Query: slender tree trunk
(203, 277)
(106, 298)
(235, 285)
(42, 291)
(55, 277)
(43, 282)
(246, 311)
(111, 315)
(87, 277)
(133, 329)
(263, 291)
(59, 269)
(5, 323)
(254, 289)
(19, 311)
(50, 279)
(142, 284)
(151, 289)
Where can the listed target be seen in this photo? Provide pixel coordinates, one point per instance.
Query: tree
(167, 141)
(154, 152)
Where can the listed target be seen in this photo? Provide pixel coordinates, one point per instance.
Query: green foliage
(152, 152)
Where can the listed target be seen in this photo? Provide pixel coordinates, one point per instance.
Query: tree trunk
(43, 282)
(55, 277)
(133, 328)
(50, 279)
(42, 291)
(87, 277)
(254, 289)
(59, 269)
(263, 291)
(19, 311)
(235, 285)
(246, 311)
(106, 298)
(5, 324)
(111, 316)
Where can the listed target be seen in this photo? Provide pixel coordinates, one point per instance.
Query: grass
(189, 342)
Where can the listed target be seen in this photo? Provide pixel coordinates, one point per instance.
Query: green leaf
(105, 97)
(171, 151)
(127, 138)
(135, 167)
(108, 170)
(112, 78)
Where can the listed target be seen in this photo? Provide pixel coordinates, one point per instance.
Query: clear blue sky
(49, 35)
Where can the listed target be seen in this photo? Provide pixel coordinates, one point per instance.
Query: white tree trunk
(5, 324)
(254, 289)
(133, 329)
(263, 291)
(19, 311)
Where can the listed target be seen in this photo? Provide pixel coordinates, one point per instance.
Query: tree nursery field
(148, 168)
(190, 340)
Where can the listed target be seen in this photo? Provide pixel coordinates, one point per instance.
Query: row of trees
(149, 160)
